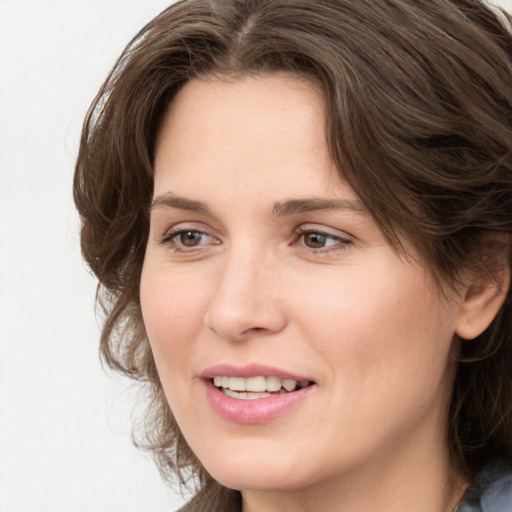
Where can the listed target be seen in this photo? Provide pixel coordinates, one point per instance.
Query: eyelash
(169, 239)
(339, 244)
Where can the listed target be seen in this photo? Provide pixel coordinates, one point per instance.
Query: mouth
(254, 388)
(255, 393)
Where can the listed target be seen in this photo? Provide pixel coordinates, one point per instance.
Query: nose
(246, 300)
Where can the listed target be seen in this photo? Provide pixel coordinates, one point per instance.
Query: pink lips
(252, 411)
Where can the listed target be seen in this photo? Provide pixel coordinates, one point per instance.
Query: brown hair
(419, 121)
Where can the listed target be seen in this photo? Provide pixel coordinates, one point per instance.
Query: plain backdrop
(64, 423)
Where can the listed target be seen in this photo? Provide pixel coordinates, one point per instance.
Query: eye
(320, 241)
(190, 238)
(184, 239)
(317, 240)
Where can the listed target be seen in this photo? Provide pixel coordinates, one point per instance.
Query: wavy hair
(418, 97)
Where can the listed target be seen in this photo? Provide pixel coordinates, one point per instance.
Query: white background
(64, 424)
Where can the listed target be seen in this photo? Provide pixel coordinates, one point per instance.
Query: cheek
(381, 330)
(173, 310)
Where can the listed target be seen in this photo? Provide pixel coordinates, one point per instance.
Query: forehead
(249, 125)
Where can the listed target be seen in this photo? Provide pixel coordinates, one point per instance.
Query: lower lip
(260, 410)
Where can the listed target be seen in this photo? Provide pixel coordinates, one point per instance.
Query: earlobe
(483, 299)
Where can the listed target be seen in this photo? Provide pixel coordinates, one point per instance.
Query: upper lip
(251, 370)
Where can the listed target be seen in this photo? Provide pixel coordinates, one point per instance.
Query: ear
(485, 293)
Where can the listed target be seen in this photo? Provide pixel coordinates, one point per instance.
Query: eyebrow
(280, 209)
(294, 206)
(182, 203)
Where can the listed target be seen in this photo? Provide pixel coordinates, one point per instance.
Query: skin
(368, 326)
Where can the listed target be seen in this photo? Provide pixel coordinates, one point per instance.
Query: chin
(257, 473)
(260, 481)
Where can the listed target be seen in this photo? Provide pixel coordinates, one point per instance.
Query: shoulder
(491, 490)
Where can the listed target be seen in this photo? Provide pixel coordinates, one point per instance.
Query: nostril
(254, 330)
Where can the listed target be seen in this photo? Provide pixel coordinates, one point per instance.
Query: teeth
(257, 385)
(273, 384)
(245, 395)
(237, 383)
(289, 385)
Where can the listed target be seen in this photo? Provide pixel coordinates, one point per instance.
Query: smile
(254, 388)
(255, 393)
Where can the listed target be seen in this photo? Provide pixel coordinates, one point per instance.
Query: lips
(254, 393)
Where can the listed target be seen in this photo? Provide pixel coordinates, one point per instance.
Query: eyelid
(174, 231)
(343, 239)
(171, 234)
(325, 230)
(183, 225)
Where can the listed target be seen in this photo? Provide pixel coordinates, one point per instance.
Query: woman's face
(263, 274)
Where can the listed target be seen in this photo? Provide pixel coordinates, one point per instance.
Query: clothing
(491, 491)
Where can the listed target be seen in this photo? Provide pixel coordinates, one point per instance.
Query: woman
(299, 214)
